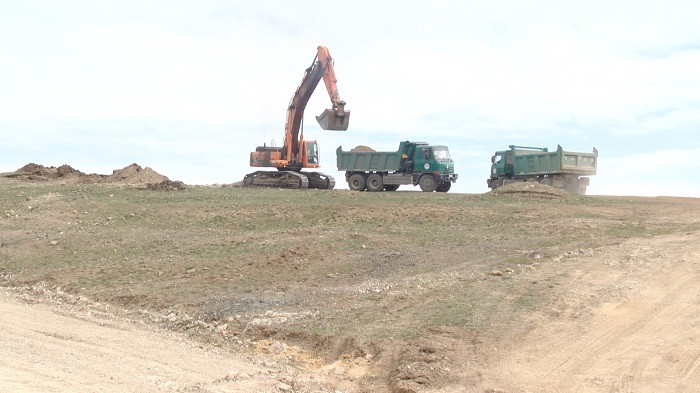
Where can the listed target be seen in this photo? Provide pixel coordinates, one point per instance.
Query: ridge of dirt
(167, 185)
(531, 189)
(130, 175)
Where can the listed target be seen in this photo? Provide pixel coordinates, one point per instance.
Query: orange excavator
(297, 153)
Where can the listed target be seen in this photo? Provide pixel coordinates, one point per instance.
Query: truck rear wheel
(375, 182)
(391, 187)
(356, 182)
(427, 183)
(444, 187)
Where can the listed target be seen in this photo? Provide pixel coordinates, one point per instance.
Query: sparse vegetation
(371, 267)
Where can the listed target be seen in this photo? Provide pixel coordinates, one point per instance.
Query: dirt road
(49, 348)
(644, 337)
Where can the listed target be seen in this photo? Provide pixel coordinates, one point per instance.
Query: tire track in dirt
(623, 342)
(648, 343)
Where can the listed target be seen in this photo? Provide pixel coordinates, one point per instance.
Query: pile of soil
(62, 174)
(362, 148)
(131, 175)
(134, 174)
(33, 169)
(167, 185)
(531, 189)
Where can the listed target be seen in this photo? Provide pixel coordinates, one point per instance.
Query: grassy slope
(332, 263)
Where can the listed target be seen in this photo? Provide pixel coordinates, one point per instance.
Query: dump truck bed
(370, 161)
(528, 162)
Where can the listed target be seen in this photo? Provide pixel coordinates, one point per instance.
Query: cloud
(194, 87)
(663, 172)
(666, 52)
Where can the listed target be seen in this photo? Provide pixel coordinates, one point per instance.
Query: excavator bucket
(330, 120)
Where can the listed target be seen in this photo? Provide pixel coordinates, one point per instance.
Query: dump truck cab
(498, 163)
(433, 168)
(432, 159)
(502, 161)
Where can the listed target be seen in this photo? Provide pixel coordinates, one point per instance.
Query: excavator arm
(336, 118)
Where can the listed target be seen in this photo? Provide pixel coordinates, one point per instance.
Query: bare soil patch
(47, 347)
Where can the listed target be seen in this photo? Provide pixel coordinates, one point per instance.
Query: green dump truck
(562, 169)
(414, 163)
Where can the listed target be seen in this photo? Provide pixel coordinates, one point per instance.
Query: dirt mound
(531, 189)
(67, 171)
(37, 170)
(50, 172)
(362, 148)
(167, 185)
(64, 173)
(134, 174)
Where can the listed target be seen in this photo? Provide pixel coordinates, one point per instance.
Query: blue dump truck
(414, 163)
(562, 169)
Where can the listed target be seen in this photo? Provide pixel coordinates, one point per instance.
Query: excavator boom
(336, 118)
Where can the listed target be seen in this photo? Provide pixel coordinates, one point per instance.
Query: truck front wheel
(427, 183)
(444, 187)
(356, 182)
(375, 182)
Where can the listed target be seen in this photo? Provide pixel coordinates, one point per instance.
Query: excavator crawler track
(276, 179)
(320, 180)
(289, 179)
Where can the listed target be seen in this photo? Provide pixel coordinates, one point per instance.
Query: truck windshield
(441, 154)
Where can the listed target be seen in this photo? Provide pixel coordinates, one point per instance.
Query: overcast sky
(190, 88)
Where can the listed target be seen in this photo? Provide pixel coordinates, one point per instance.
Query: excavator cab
(333, 120)
(311, 154)
(308, 155)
